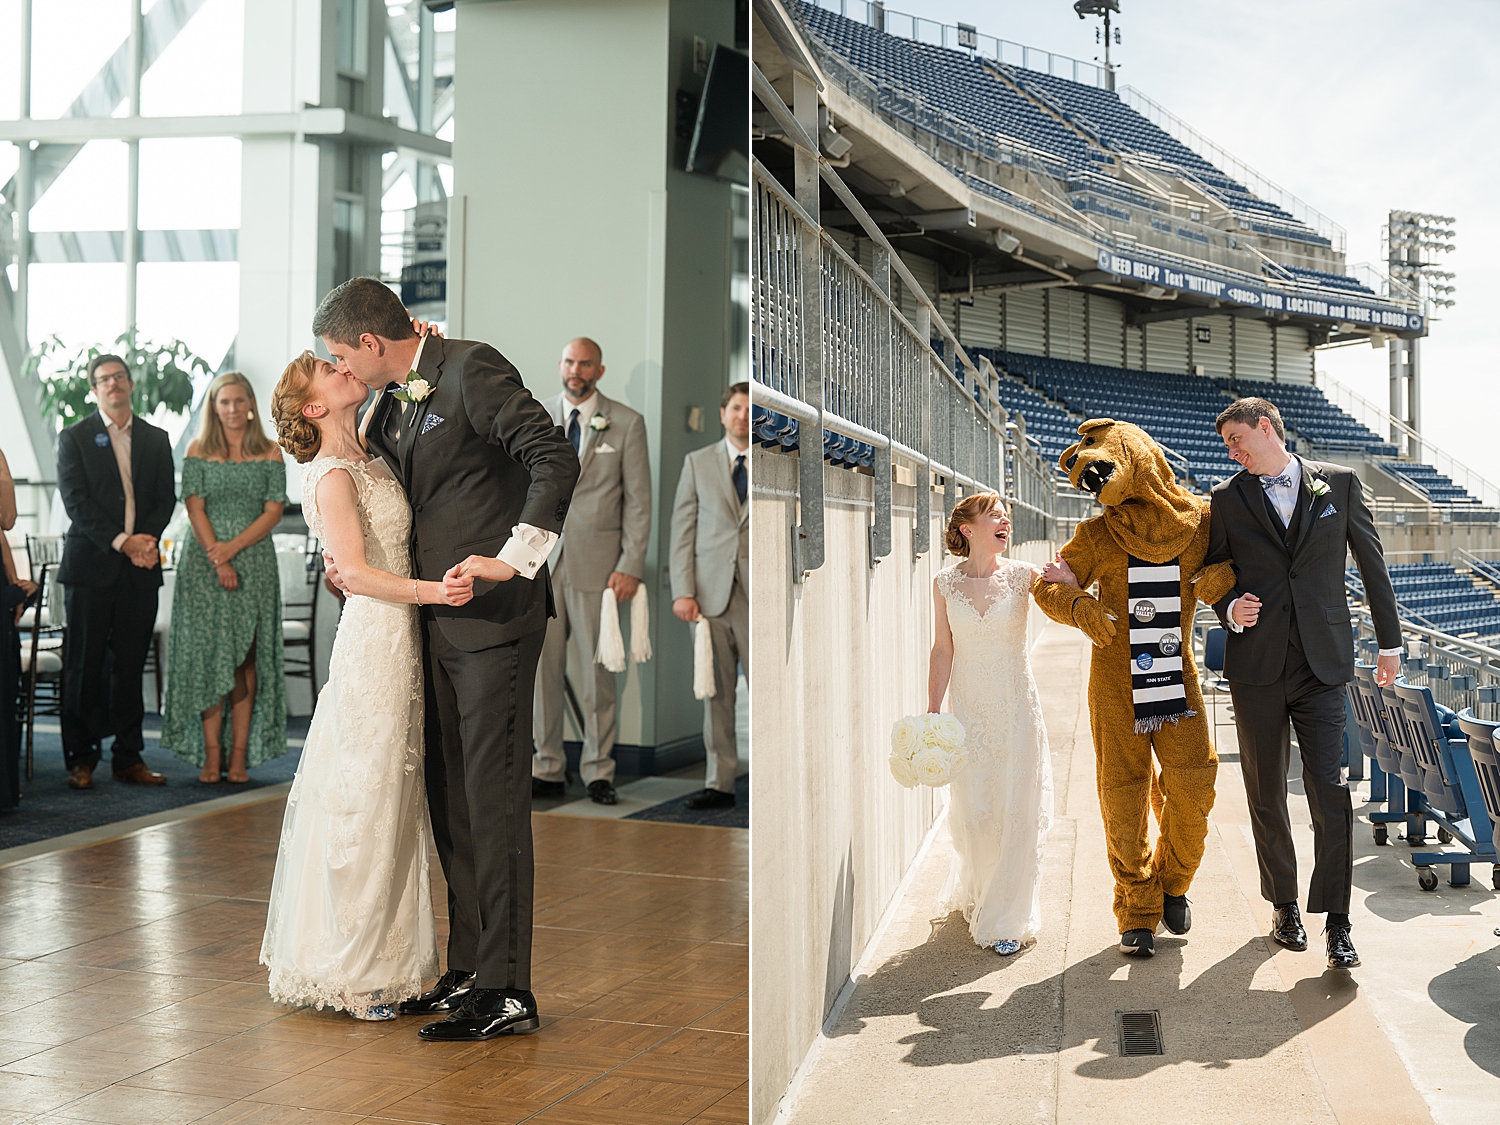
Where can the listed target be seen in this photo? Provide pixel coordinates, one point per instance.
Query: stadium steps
(1438, 596)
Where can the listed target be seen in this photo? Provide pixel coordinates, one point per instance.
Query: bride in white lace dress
(1002, 796)
(350, 923)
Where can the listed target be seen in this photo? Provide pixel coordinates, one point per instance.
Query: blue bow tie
(1285, 480)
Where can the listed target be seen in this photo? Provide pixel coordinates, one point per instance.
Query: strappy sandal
(241, 775)
(214, 753)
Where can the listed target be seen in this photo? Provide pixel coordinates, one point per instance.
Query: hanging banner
(1368, 312)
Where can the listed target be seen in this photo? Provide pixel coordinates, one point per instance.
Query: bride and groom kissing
(437, 512)
(1267, 553)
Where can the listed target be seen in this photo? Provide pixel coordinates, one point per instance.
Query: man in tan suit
(711, 576)
(603, 545)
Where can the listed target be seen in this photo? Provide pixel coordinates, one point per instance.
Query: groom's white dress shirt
(1284, 498)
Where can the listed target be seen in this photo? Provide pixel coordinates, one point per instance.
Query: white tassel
(640, 627)
(611, 650)
(703, 661)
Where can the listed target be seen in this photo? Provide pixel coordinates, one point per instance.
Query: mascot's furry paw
(1213, 582)
(1097, 623)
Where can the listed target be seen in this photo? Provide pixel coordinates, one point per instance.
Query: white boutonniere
(599, 423)
(416, 388)
(1319, 487)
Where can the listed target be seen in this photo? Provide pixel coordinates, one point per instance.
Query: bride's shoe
(379, 1012)
(1005, 947)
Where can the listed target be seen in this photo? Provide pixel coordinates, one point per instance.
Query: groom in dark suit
(1286, 523)
(488, 473)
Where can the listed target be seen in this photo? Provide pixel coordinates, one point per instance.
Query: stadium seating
(1436, 486)
(1304, 409)
(952, 81)
(1320, 277)
(988, 97)
(1177, 409)
(1435, 595)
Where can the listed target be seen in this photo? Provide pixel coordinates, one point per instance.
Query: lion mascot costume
(1146, 554)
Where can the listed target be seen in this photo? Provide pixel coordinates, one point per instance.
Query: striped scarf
(1156, 648)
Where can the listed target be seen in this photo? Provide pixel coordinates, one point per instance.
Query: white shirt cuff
(117, 540)
(1234, 626)
(1392, 652)
(527, 549)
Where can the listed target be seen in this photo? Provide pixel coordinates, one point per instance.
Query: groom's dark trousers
(479, 795)
(1287, 672)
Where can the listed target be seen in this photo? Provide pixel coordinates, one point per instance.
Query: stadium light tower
(1103, 8)
(1412, 238)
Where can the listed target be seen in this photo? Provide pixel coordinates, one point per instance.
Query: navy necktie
(575, 435)
(738, 476)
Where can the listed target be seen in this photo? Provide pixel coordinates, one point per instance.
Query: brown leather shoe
(140, 774)
(81, 777)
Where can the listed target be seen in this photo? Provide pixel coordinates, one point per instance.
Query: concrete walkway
(937, 1030)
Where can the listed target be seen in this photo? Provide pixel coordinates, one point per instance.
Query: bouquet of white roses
(926, 749)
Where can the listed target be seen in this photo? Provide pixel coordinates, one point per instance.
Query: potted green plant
(163, 374)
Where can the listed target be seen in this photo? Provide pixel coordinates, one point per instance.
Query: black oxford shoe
(602, 792)
(1176, 914)
(711, 799)
(446, 996)
(1138, 943)
(1341, 954)
(1286, 927)
(486, 1013)
(540, 788)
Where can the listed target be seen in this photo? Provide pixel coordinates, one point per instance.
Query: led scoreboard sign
(1351, 309)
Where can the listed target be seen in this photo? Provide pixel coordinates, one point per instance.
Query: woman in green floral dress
(226, 605)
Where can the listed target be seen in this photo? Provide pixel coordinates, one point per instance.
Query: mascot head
(1146, 510)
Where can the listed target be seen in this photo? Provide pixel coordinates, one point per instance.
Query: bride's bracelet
(416, 597)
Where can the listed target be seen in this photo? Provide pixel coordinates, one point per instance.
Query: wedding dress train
(350, 923)
(1002, 795)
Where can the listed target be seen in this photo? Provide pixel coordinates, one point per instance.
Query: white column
(281, 239)
(24, 179)
(133, 171)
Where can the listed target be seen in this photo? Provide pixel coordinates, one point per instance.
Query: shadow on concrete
(1403, 901)
(931, 982)
(1470, 992)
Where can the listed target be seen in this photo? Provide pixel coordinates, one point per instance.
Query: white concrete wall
(837, 660)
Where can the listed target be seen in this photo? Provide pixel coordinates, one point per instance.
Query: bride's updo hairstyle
(967, 510)
(295, 433)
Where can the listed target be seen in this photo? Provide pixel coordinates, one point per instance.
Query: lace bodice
(384, 512)
(1002, 796)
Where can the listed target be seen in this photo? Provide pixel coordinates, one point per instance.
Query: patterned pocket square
(430, 421)
(1328, 511)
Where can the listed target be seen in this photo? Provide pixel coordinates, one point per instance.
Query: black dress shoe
(1341, 954)
(486, 1013)
(1138, 943)
(540, 788)
(602, 792)
(446, 996)
(1175, 914)
(711, 799)
(1286, 927)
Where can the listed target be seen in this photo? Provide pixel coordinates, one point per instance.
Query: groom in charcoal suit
(487, 472)
(1286, 523)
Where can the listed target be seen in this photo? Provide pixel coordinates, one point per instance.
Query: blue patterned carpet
(677, 812)
(49, 808)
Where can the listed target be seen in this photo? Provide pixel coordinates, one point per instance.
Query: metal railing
(832, 351)
(1461, 673)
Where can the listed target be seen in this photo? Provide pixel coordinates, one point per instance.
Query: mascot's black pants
(1316, 710)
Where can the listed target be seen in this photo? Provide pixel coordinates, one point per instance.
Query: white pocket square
(605, 447)
(1328, 511)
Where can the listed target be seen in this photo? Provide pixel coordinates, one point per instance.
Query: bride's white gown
(350, 923)
(1002, 796)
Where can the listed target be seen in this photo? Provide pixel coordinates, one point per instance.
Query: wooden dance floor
(130, 993)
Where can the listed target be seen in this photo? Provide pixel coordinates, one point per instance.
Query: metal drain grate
(1138, 1033)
